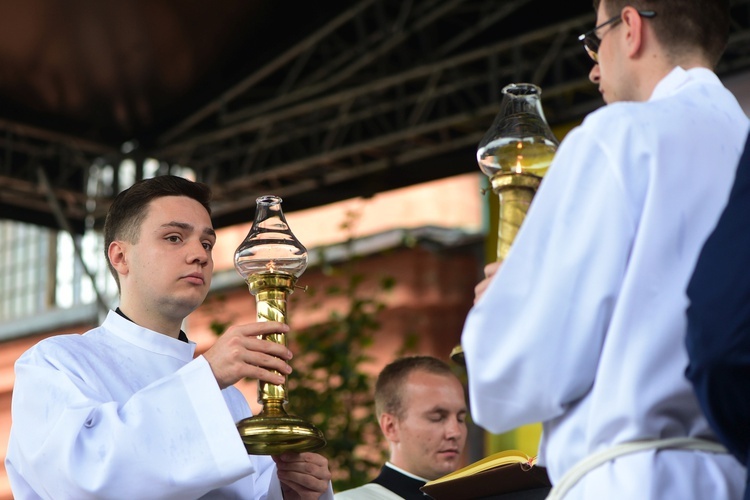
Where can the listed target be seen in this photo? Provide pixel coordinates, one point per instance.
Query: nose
(454, 428)
(594, 74)
(198, 254)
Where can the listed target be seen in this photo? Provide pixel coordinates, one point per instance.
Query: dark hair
(390, 383)
(683, 25)
(130, 207)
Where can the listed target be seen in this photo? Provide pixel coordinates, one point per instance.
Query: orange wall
(454, 202)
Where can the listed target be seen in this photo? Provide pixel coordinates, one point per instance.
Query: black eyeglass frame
(591, 41)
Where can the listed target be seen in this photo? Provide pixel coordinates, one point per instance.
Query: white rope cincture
(571, 478)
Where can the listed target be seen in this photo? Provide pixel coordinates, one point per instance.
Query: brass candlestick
(271, 259)
(515, 153)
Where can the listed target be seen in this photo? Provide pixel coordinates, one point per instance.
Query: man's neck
(181, 335)
(655, 71)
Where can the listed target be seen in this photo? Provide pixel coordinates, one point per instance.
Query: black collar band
(182, 335)
(403, 486)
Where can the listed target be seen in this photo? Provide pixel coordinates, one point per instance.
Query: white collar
(402, 471)
(150, 340)
(679, 77)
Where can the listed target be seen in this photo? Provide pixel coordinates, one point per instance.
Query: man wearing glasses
(583, 326)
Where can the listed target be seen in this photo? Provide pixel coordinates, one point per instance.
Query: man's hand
(489, 272)
(238, 353)
(303, 476)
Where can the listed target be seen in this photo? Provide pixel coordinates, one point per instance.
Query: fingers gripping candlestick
(515, 153)
(271, 259)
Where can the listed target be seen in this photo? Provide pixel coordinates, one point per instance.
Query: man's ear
(389, 426)
(633, 23)
(117, 253)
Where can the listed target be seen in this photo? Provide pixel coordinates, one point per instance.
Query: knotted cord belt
(571, 478)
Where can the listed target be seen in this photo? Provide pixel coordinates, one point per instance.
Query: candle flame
(519, 168)
(270, 266)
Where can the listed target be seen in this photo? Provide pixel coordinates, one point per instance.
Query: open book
(503, 472)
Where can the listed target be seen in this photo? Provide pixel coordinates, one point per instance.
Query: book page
(495, 460)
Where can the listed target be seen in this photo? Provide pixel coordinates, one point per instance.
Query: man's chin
(182, 308)
(447, 467)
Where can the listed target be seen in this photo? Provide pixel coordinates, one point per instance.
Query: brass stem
(271, 292)
(515, 191)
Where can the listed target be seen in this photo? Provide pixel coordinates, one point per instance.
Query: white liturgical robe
(583, 326)
(125, 412)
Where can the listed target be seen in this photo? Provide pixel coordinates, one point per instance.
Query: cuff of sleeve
(214, 417)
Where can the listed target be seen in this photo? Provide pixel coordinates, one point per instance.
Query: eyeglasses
(591, 41)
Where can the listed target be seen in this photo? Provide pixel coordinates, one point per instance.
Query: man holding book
(582, 328)
(421, 407)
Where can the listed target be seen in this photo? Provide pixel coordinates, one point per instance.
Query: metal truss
(386, 86)
(43, 176)
(387, 93)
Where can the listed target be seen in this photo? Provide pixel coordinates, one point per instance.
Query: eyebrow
(189, 227)
(440, 409)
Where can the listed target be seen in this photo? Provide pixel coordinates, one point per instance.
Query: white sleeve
(173, 439)
(532, 341)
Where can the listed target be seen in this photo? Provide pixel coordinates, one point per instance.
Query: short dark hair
(682, 25)
(389, 387)
(130, 207)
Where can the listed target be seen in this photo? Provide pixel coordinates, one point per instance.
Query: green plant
(330, 388)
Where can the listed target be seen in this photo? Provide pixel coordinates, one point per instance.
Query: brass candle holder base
(273, 431)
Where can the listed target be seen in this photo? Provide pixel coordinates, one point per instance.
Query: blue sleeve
(718, 336)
